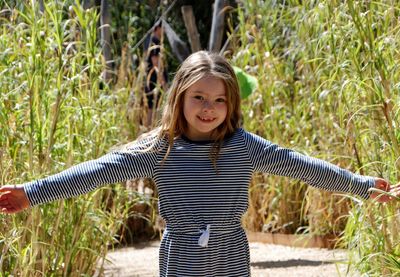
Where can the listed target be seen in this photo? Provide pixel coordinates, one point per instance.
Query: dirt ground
(266, 260)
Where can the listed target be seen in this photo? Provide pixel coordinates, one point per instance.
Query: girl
(202, 163)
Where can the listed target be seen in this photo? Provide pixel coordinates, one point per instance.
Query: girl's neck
(199, 137)
(197, 140)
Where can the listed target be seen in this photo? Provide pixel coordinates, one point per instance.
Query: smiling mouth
(206, 119)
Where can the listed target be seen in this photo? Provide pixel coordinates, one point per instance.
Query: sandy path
(266, 260)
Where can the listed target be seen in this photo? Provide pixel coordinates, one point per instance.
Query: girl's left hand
(386, 193)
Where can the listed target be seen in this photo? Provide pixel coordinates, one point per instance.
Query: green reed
(55, 112)
(329, 87)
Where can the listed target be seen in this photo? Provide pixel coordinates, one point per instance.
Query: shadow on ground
(291, 263)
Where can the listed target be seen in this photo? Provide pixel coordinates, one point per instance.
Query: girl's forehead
(208, 83)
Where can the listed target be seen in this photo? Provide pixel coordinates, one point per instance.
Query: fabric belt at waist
(205, 232)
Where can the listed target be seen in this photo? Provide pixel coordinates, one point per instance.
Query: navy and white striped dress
(193, 196)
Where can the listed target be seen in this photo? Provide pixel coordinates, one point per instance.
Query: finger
(382, 184)
(10, 201)
(4, 202)
(5, 209)
(380, 198)
(395, 187)
(8, 207)
(395, 191)
(381, 195)
(9, 210)
(5, 193)
(7, 196)
(6, 188)
(383, 199)
(4, 199)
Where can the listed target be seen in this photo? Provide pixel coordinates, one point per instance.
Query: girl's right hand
(13, 199)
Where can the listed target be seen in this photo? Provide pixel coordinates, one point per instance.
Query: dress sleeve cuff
(361, 186)
(31, 192)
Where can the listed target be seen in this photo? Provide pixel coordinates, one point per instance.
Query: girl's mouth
(206, 119)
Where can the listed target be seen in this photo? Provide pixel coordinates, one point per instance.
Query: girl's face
(204, 107)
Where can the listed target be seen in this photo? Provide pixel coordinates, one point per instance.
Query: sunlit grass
(55, 112)
(329, 87)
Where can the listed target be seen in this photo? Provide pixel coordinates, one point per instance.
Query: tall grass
(329, 87)
(55, 112)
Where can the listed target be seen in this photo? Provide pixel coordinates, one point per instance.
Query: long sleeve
(270, 158)
(87, 176)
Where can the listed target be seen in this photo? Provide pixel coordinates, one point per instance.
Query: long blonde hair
(197, 66)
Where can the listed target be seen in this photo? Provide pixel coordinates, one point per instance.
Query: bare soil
(266, 260)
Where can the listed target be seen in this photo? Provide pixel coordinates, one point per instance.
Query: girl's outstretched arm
(270, 158)
(13, 199)
(136, 162)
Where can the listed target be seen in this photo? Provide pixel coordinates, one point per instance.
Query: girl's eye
(199, 97)
(220, 100)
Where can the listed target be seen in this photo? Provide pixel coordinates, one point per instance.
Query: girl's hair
(197, 66)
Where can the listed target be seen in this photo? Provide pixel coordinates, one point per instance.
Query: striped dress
(202, 206)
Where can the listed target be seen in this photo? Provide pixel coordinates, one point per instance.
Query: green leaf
(247, 83)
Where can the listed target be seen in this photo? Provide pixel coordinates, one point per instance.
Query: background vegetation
(328, 87)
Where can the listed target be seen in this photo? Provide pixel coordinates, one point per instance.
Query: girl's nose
(207, 105)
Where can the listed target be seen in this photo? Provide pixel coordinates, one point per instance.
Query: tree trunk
(217, 27)
(190, 24)
(105, 41)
